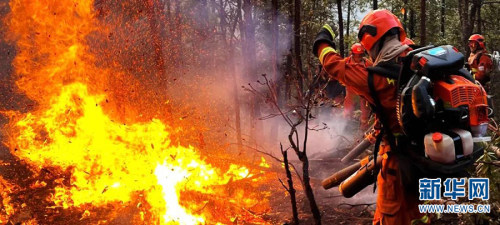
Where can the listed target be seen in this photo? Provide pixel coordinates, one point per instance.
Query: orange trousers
(395, 205)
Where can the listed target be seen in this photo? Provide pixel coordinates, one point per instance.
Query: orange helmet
(357, 49)
(478, 38)
(408, 41)
(375, 25)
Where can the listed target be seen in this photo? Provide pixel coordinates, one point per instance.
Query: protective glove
(325, 35)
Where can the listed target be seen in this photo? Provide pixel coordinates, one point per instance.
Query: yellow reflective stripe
(326, 26)
(324, 52)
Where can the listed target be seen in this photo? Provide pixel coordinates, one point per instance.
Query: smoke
(213, 72)
(213, 82)
(328, 133)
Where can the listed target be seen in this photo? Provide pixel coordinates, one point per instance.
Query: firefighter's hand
(325, 35)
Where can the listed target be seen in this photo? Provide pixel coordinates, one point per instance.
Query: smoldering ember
(249, 112)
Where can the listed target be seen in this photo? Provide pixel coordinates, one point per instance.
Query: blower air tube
(337, 178)
(365, 176)
(360, 148)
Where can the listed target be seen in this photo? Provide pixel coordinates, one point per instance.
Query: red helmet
(357, 49)
(478, 38)
(375, 24)
(408, 41)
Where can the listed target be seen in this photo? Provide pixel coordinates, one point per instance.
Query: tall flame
(110, 162)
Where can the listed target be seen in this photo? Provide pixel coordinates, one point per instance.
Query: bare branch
(284, 186)
(270, 155)
(292, 142)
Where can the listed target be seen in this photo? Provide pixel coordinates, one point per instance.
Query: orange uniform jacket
(481, 67)
(394, 205)
(356, 78)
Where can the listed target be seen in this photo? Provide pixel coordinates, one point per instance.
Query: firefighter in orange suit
(356, 59)
(479, 61)
(381, 34)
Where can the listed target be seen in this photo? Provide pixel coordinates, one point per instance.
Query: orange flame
(73, 129)
(8, 209)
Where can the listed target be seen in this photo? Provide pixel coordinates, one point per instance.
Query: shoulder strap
(377, 107)
(388, 70)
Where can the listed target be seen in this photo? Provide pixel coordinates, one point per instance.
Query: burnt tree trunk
(231, 57)
(275, 60)
(237, 113)
(412, 23)
(479, 21)
(375, 4)
(296, 43)
(423, 30)
(275, 38)
(302, 155)
(341, 28)
(223, 23)
(250, 69)
(443, 15)
(289, 57)
(288, 76)
(348, 22)
(305, 166)
(467, 20)
(463, 6)
(405, 15)
(241, 27)
(309, 191)
(472, 17)
(290, 189)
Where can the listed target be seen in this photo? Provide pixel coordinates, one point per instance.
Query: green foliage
(488, 166)
(490, 24)
(423, 220)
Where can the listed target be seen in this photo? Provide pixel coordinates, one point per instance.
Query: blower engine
(442, 110)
